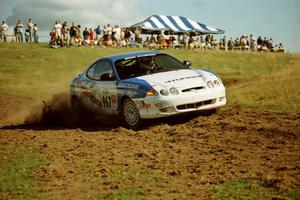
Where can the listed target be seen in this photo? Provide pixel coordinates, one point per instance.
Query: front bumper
(163, 106)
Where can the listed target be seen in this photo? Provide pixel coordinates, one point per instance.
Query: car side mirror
(187, 63)
(107, 77)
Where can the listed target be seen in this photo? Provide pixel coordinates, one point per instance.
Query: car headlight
(217, 83)
(151, 93)
(210, 84)
(173, 91)
(164, 92)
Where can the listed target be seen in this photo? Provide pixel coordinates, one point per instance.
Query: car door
(102, 87)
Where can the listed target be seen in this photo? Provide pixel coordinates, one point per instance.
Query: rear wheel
(130, 114)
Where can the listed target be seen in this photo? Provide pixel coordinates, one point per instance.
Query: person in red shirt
(91, 37)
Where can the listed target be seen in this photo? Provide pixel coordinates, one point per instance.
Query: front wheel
(130, 114)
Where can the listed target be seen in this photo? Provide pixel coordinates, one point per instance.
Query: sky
(278, 19)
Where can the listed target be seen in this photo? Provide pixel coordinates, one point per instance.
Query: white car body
(194, 94)
(145, 85)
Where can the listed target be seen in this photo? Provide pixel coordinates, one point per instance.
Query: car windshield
(145, 65)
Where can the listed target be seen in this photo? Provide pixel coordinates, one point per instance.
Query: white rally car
(144, 85)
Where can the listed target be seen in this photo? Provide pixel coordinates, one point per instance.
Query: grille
(195, 105)
(194, 88)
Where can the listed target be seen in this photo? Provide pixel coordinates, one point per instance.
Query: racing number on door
(106, 100)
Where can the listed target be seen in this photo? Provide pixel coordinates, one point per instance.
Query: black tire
(130, 114)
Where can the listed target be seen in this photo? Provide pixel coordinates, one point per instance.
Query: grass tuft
(18, 175)
(250, 190)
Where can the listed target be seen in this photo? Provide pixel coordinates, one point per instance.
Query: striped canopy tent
(175, 24)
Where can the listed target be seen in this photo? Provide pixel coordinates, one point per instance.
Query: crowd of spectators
(63, 35)
(19, 35)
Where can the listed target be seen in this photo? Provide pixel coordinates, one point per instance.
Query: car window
(127, 68)
(98, 69)
(168, 63)
(145, 65)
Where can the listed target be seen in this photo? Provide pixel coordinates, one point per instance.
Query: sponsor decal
(93, 99)
(129, 86)
(183, 78)
(105, 101)
(113, 99)
(80, 87)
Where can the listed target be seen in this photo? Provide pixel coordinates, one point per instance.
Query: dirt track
(181, 158)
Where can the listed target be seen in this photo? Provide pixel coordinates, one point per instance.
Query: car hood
(177, 78)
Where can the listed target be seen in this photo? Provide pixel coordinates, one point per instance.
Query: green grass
(261, 80)
(249, 190)
(18, 175)
(268, 81)
(131, 193)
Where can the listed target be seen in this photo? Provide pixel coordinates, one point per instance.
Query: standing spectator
(109, 31)
(270, 44)
(64, 32)
(86, 36)
(236, 42)
(137, 33)
(73, 30)
(127, 35)
(225, 43)
(221, 43)
(252, 42)
(57, 28)
(19, 31)
(85, 33)
(117, 34)
(265, 42)
(98, 32)
(30, 27)
(91, 34)
(3, 31)
(105, 33)
(244, 42)
(79, 31)
(259, 43)
(35, 34)
(230, 44)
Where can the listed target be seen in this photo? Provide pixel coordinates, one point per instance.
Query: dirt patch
(175, 158)
(13, 108)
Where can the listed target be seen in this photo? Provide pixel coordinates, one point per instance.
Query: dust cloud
(58, 112)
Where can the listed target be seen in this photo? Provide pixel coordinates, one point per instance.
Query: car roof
(131, 55)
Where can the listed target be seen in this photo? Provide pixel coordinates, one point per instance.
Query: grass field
(268, 81)
(262, 81)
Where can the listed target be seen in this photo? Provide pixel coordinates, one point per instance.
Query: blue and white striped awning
(176, 24)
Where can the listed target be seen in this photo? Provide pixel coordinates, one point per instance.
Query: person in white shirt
(117, 34)
(19, 31)
(57, 27)
(35, 34)
(3, 31)
(109, 31)
(30, 29)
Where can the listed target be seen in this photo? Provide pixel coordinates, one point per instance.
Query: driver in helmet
(147, 64)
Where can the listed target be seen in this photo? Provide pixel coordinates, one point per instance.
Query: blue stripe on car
(207, 70)
(133, 88)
